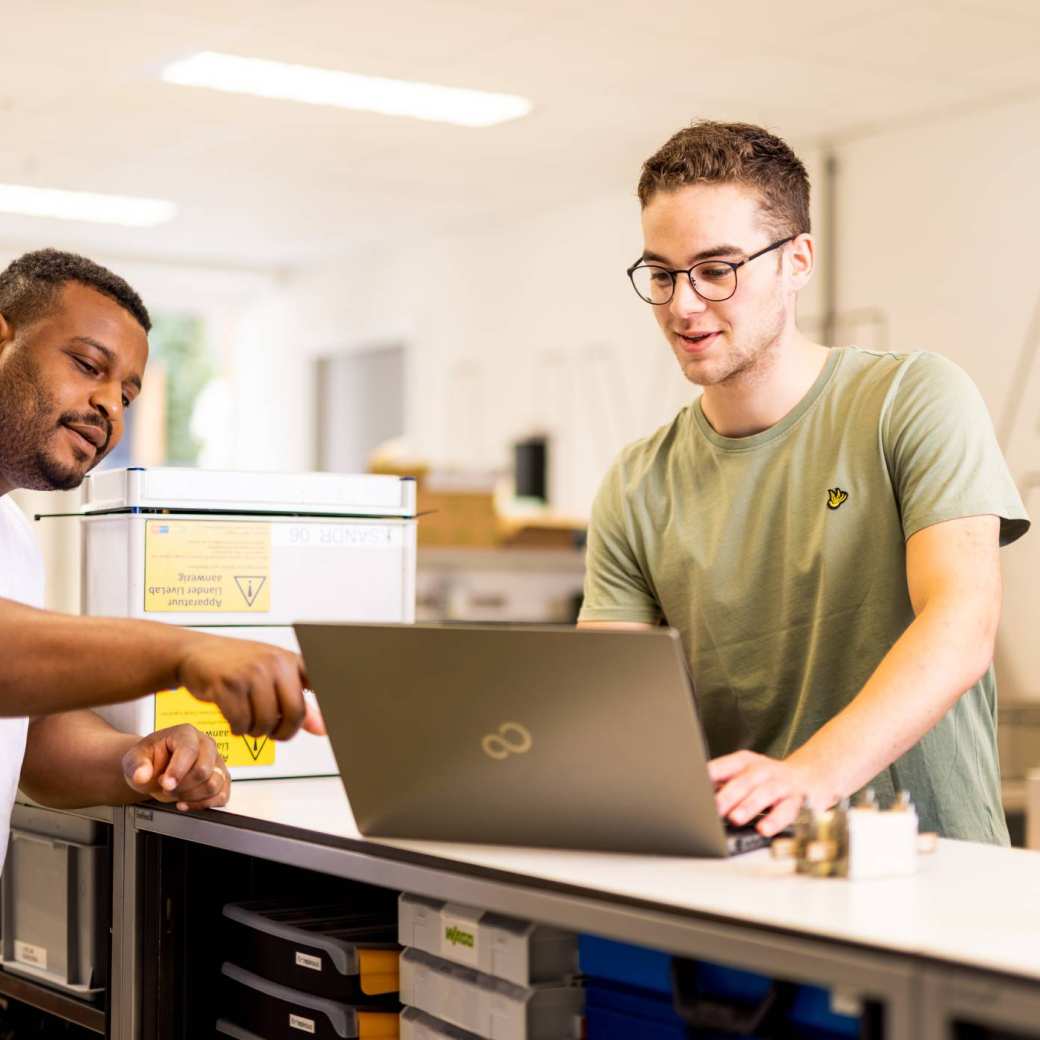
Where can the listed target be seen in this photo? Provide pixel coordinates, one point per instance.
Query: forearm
(73, 759)
(941, 655)
(57, 662)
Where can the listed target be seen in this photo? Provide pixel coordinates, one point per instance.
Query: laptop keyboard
(744, 839)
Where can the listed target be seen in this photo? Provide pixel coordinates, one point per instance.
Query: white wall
(939, 226)
(522, 328)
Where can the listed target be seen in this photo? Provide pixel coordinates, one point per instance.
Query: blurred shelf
(461, 559)
(52, 1002)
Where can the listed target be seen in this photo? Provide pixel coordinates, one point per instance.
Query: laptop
(557, 737)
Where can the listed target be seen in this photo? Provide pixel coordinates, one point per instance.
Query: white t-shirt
(21, 578)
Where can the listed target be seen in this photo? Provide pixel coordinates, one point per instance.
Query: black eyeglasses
(711, 280)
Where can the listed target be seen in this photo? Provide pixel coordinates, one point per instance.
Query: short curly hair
(707, 152)
(29, 286)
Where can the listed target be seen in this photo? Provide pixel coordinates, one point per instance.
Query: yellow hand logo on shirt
(835, 497)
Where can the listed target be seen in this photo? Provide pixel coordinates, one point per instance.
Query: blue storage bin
(623, 962)
(644, 1004)
(806, 1009)
(604, 1024)
(631, 987)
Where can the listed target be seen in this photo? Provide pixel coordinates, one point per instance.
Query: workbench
(959, 943)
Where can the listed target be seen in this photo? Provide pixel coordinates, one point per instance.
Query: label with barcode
(305, 960)
(34, 956)
(305, 1025)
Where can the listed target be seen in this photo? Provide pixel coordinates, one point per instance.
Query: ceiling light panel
(84, 206)
(314, 86)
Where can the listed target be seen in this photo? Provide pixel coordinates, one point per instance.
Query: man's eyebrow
(704, 254)
(108, 354)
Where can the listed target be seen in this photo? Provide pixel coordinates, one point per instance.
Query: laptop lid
(520, 736)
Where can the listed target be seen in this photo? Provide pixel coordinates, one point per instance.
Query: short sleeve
(943, 453)
(616, 588)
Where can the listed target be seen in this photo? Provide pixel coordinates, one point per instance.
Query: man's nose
(684, 300)
(107, 399)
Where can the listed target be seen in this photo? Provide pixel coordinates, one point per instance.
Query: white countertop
(969, 903)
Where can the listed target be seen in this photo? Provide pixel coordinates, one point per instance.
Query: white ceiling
(271, 185)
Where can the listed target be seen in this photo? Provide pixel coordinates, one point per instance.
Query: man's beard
(756, 360)
(26, 425)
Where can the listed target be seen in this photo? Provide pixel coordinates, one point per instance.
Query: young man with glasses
(821, 525)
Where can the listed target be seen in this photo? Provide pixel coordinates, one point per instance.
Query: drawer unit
(417, 1025)
(57, 901)
(326, 951)
(275, 1012)
(517, 951)
(489, 1007)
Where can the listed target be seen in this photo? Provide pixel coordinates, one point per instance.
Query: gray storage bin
(56, 901)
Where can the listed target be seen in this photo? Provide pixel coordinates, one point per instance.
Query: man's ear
(6, 332)
(802, 258)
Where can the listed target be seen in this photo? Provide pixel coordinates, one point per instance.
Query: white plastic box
(489, 1007)
(245, 555)
(504, 947)
(176, 545)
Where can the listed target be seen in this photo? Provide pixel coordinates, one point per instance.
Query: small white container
(882, 844)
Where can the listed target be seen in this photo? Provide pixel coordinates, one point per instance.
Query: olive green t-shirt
(780, 559)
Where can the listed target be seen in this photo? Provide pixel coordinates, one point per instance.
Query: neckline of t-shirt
(756, 440)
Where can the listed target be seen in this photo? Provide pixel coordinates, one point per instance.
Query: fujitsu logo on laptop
(512, 738)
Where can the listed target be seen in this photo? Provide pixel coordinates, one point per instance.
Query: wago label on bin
(207, 566)
(176, 707)
(459, 935)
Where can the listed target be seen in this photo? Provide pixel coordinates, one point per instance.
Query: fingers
(192, 755)
(139, 765)
(212, 793)
(752, 784)
(763, 796)
(196, 776)
(313, 721)
(731, 794)
(259, 688)
(783, 815)
(291, 701)
(727, 766)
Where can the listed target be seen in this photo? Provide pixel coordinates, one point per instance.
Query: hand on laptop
(259, 688)
(748, 784)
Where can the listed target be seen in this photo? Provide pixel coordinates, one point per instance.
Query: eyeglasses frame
(688, 271)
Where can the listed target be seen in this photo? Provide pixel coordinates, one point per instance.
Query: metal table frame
(855, 972)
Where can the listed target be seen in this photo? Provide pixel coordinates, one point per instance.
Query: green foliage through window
(178, 342)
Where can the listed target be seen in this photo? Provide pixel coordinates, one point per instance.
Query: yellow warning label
(207, 566)
(175, 707)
